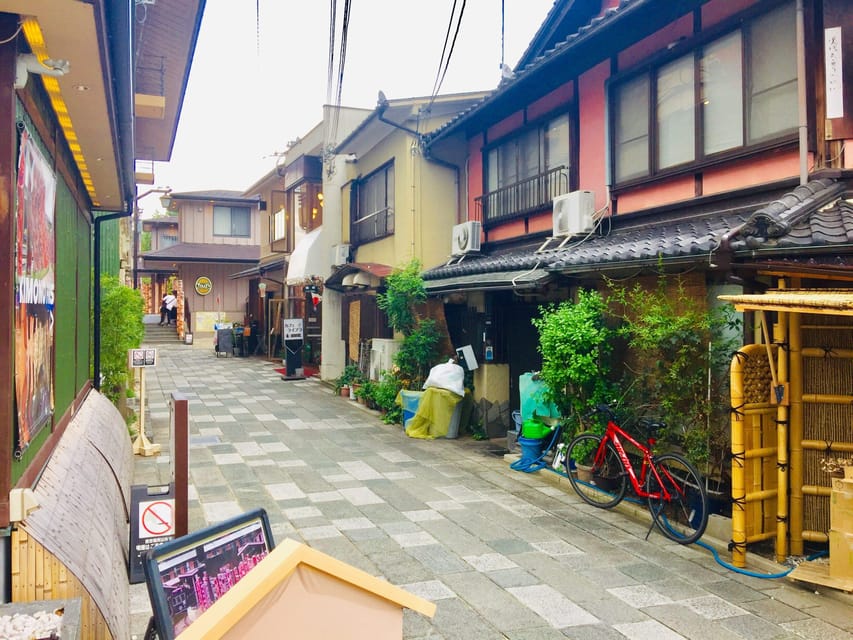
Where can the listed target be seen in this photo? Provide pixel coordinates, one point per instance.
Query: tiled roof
(798, 219)
(199, 252)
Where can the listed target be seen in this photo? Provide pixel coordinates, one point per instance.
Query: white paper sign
(832, 46)
(292, 328)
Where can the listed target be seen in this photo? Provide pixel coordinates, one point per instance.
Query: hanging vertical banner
(34, 291)
(833, 57)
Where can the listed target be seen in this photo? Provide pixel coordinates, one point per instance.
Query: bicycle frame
(612, 434)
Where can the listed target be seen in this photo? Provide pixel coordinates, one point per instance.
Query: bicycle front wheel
(683, 515)
(606, 483)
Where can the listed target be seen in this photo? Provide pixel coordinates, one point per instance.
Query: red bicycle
(673, 488)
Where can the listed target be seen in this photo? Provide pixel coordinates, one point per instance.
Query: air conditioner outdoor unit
(340, 254)
(466, 238)
(573, 213)
(382, 352)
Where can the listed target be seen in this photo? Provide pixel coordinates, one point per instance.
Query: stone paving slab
(503, 554)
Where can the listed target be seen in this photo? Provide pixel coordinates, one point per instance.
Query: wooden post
(180, 447)
(142, 446)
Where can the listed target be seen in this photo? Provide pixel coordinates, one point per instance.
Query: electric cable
(449, 53)
(333, 6)
(443, 50)
(342, 57)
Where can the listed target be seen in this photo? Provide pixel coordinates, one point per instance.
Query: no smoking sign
(157, 518)
(152, 523)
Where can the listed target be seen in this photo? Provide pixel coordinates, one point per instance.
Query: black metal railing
(522, 198)
(373, 226)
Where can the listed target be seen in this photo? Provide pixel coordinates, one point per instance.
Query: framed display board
(187, 575)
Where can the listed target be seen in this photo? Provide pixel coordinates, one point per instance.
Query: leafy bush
(349, 376)
(678, 362)
(121, 330)
(385, 396)
(575, 344)
(418, 353)
(404, 288)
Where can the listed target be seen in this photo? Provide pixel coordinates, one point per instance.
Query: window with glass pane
(722, 94)
(309, 205)
(773, 71)
(747, 95)
(632, 129)
(231, 221)
(374, 216)
(556, 142)
(675, 111)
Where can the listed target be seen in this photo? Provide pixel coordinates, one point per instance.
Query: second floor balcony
(527, 196)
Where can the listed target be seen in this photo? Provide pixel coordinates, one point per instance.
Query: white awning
(310, 259)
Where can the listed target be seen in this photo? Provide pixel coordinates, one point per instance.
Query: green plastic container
(535, 430)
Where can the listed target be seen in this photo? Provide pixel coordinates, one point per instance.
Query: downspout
(419, 139)
(121, 61)
(801, 95)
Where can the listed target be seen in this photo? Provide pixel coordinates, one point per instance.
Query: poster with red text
(34, 291)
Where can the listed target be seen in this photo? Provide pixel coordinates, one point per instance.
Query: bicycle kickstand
(652, 526)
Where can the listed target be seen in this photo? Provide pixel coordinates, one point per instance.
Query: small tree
(679, 351)
(575, 344)
(121, 330)
(404, 291)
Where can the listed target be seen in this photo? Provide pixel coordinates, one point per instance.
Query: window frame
(694, 48)
(231, 209)
(533, 193)
(359, 187)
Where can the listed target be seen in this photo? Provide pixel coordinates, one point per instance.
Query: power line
(450, 52)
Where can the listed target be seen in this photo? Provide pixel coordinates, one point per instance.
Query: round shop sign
(203, 285)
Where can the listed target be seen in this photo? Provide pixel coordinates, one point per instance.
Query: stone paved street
(503, 554)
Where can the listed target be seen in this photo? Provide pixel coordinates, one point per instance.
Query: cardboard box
(841, 505)
(840, 554)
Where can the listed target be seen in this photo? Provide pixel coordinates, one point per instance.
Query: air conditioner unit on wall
(340, 254)
(466, 238)
(573, 213)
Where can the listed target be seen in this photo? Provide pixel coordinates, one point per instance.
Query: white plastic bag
(448, 376)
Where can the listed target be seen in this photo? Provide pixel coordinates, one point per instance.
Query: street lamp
(165, 191)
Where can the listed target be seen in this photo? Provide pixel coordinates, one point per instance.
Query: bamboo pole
(796, 434)
(826, 398)
(823, 445)
(784, 358)
(738, 461)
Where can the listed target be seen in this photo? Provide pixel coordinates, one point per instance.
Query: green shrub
(575, 344)
(679, 363)
(121, 330)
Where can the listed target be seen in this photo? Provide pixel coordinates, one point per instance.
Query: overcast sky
(259, 81)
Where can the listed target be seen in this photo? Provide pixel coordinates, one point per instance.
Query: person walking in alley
(164, 310)
(170, 300)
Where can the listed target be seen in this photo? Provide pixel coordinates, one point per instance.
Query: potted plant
(364, 393)
(350, 376)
